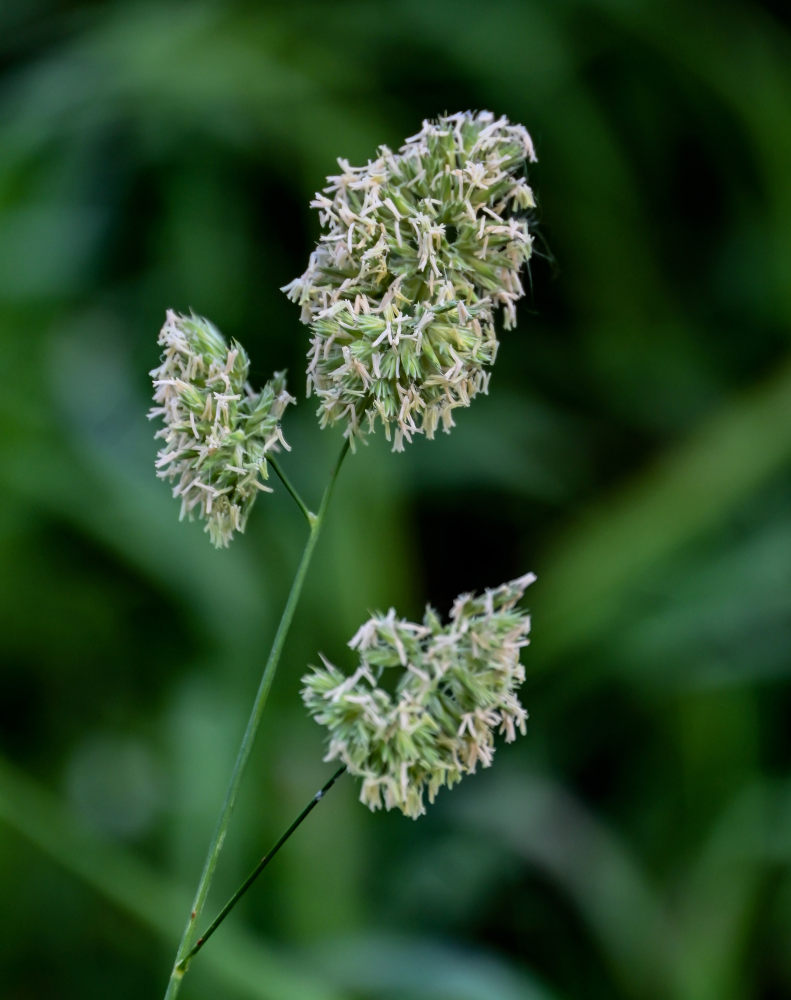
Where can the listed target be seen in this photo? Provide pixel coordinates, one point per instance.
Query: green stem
(246, 745)
(310, 517)
(183, 964)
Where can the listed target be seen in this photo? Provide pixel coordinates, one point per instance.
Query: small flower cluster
(421, 247)
(436, 722)
(217, 431)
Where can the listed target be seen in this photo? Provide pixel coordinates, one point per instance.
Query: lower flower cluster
(426, 700)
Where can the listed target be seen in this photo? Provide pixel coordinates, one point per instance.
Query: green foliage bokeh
(634, 450)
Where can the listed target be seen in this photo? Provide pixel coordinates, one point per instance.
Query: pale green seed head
(424, 704)
(420, 250)
(216, 431)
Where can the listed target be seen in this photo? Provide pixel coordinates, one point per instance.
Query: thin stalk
(258, 869)
(253, 722)
(310, 517)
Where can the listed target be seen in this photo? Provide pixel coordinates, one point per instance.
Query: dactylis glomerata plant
(420, 251)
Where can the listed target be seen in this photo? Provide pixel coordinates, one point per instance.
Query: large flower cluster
(217, 431)
(421, 247)
(435, 720)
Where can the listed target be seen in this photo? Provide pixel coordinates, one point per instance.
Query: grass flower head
(420, 249)
(424, 704)
(216, 431)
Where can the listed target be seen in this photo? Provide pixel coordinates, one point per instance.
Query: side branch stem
(258, 869)
(246, 745)
(310, 517)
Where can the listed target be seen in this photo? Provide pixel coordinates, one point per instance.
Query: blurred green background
(634, 451)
